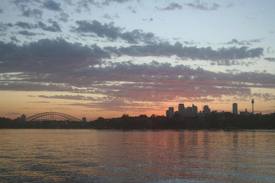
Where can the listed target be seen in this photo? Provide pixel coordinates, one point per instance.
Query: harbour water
(137, 156)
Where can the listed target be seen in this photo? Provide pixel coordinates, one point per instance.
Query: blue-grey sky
(136, 56)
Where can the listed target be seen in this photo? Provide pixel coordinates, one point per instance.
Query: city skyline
(104, 58)
(182, 111)
(193, 110)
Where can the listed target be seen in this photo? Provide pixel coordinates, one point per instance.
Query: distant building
(244, 113)
(170, 112)
(206, 109)
(181, 108)
(186, 111)
(142, 116)
(235, 108)
(195, 109)
(190, 111)
(125, 116)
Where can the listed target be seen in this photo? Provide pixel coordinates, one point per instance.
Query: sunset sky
(111, 57)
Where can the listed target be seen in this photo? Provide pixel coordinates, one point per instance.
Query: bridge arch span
(52, 116)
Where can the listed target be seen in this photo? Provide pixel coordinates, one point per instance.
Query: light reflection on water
(136, 156)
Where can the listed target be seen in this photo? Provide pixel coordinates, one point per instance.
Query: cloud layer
(111, 32)
(207, 53)
(45, 55)
(143, 82)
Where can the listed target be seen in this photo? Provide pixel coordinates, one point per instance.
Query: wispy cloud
(171, 6)
(243, 42)
(68, 97)
(199, 5)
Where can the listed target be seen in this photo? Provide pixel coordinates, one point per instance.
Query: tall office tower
(194, 109)
(170, 112)
(235, 108)
(206, 109)
(181, 108)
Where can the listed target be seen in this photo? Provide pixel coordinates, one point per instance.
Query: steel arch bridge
(52, 116)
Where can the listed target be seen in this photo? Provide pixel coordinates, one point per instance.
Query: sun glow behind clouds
(135, 56)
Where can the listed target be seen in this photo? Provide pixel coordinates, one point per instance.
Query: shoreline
(210, 122)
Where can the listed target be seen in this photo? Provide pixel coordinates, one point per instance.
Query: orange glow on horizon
(15, 103)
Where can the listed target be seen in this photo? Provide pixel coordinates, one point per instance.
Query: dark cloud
(172, 6)
(29, 8)
(64, 17)
(25, 25)
(52, 5)
(101, 30)
(108, 2)
(14, 39)
(207, 53)
(113, 33)
(203, 5)
(243, 42)
(5, 26)
(26, 33)
(48, 56)
(86, 4)
(53, 27)
(1, 11)
(25, 2)
(270, 59)
(28, 12)
(137, 36)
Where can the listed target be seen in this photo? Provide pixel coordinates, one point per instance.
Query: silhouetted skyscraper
(206, 109)
(194, 109)
(170, 112)
(181, 108)
(235, 108)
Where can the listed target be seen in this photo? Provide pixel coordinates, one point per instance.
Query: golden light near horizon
(30, 103)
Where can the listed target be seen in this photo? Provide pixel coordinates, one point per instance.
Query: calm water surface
(116, 156)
